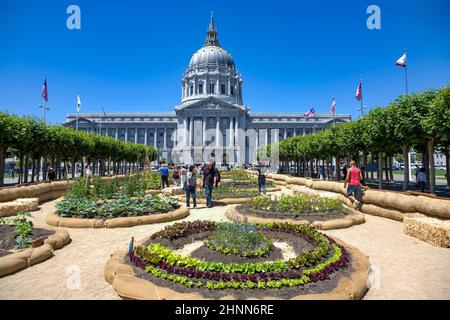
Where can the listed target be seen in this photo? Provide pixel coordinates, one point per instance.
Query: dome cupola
(212, 71)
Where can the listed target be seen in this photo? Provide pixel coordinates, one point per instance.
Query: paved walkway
(409, 268)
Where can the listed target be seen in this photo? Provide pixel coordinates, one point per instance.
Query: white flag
(78, 103)
(402, 61)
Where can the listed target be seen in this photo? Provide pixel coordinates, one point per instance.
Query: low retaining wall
(397, 204)
(12, 208)
(130, 287)
(45, 191)
(20, 260)
(123, 222)
(354, 218)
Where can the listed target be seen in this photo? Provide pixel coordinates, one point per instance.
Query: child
(191, 185)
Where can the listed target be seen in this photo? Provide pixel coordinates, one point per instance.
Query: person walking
(353, 180)
(51, 175)
(322, 173)
(183, 176)
(421, 179)
(262, 175)
(209, 180)
(344, 170)
(191, 186)
(176, 176)
(164, 176)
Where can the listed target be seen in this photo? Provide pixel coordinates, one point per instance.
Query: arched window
(200, 88)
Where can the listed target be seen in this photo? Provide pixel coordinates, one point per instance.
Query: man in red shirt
(353, 180)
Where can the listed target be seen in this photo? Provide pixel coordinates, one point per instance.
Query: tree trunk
(338, 168)
(25, 164)
(405, 150)
(2, 166)
(430, 152)
(380, 170)
(73, 168)
(386, 170)
(372, 165)
(447, 166)
(33, 170)
(426, 165)
(391, 172)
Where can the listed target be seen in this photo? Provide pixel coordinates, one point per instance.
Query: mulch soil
(8, 243)
(311, 217)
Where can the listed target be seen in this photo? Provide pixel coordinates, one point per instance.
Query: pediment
(210, 103)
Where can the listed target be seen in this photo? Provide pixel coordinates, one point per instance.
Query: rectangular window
(232, 90)
(192, 90)
(222, 88)
(200, 88)
(212, 88)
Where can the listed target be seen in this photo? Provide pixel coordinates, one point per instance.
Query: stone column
(204, 132)
(186, 132)
(285, 134)
(191, 131)
(117, 134)
(155, 138)
(257, 138)
(217, 130)
(136, 135)
(267, 136)
(165, 139)
(145, 136)
(126, 134)
(231, 143)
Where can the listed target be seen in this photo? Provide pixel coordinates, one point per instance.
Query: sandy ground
(403, 267)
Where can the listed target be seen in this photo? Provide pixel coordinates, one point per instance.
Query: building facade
(211, 121)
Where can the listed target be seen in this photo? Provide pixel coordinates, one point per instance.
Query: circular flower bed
(123, 206)
(319, 213)
(297, 207)
(299, 261)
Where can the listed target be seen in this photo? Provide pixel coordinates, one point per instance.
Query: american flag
(333, 105)
(358, 95)
(402, 61)
(311, 113)
(44, 90)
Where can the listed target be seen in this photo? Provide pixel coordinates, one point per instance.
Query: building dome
(212, 55)
(212, 72)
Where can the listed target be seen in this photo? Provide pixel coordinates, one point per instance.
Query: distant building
(211, 118)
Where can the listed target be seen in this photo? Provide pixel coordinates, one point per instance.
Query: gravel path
(408, 268)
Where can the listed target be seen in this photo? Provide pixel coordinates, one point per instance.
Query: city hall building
(211, 120)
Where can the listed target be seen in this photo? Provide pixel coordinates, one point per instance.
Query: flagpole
(406, 76)
(77, 112)
(362, 94)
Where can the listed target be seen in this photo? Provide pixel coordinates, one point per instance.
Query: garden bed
(169, 265)
(14, 261)
(7, 242)
(319, 213)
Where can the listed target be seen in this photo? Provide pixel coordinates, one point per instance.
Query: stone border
(354, 218)
(20, 260)
(11, 208)
(130, 287)
(122, 222)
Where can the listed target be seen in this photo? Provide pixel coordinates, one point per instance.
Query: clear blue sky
(294, 55)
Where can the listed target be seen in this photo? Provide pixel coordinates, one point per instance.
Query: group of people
(187, 176)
